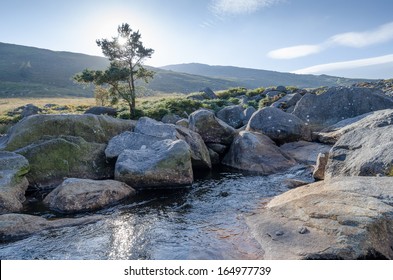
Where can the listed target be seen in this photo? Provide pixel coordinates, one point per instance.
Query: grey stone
(148, 126)
(337, 104)
(212, 129)
(255, 152)
(76, 195)
(102, 110)
(52, 159)
(247, 113)
(278, 125)
(346, 218)
(92, 128)
(166, 164)
(30, 110)
(232, 115)
(171, 118)
(305, 152)
(320, 166)
(13, 183)
(362, 152)
(17, 226)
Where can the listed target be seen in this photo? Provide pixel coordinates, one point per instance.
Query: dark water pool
(203, 221)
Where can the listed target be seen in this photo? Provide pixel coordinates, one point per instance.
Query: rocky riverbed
(79, 166)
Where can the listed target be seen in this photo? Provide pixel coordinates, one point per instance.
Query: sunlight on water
(203, 221)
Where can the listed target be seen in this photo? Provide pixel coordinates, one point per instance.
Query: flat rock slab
(342, 218)
(76, 195)
(305, 152)
(17, 226)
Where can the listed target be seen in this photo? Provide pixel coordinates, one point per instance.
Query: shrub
(255, 92)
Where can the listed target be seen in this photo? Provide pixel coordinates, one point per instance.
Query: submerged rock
(305, 152)
(75, 195)
(16, 226)
(345, 218)
(166, 164)
(255, 152)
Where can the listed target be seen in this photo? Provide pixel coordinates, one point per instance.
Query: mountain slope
(252, 78)
(33, 72)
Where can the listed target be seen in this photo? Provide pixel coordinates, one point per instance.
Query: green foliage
(267, 101)
(234, 100)
(291, 88)
(255, 92)
(231, 92)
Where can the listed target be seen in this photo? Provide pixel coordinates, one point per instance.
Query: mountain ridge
(36, 72)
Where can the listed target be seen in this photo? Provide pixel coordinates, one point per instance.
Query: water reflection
(204, 221)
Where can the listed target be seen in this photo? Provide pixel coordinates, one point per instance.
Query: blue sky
(351, 38)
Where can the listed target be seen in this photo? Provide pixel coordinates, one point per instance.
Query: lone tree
(126, 54)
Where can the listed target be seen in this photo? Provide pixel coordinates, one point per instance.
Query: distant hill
(253, 78)
(33, 72)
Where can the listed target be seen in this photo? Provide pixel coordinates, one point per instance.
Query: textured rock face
(15, 226)
(129, 141)
(362, 152)
(52, 159)
(344, 218)
(232, 115)
(166, 164)
(247, 114)
(337, 104)
(320, 166)
(212, 129)
(150, 127)
(278, 125)
(305, 152)
(75, 195)
(370, 120)
(13, 182)
(257, 153)
(98, 129)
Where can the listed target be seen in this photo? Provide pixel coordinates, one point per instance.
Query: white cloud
(295, 51)
(237, 7)
(383, 33)
(351, 64)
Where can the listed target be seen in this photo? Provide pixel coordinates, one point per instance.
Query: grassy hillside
(33, 72)
(253, 78)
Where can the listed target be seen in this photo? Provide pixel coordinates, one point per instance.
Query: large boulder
(305, 152)
(129, 141)
(75, 195)
(247, 114)
(212, 129)
(369, 120)
(337, 104)
(200, 156)
(281, 127)
(166, 164)
(344, 218)
(362, 152)
(13, 183)
(136, 141)
(92, 128)
(52, 159)
(150, 127)
(255, 152)
(16, 226)
(232, 115)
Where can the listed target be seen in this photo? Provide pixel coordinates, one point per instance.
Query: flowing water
(203, 221)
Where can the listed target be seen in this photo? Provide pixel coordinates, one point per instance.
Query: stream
(202, 221)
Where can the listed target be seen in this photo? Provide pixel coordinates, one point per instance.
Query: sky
(348, 38)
